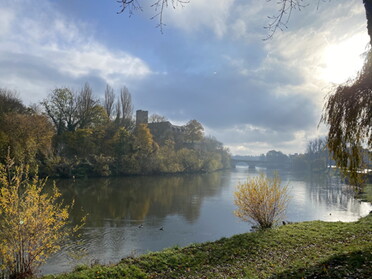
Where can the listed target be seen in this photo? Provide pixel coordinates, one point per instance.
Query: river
(129, 216)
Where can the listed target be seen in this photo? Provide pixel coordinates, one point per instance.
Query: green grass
(303, 250)
(366, 194)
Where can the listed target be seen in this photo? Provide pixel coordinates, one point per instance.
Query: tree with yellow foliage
(261, 200)
(32, 222)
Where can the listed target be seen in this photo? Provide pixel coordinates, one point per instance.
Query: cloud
(7, 16)
(257, 94)
(43, 49)
(224, 99)
(200, 14)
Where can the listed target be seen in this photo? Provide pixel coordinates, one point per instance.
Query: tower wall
(142, 117)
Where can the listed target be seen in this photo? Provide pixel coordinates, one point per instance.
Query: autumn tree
(144, 147)
(68, 110)
(9, 102)
(194, 131)
(28, 137)
(61, 108)
(24, 133)
(144, 142)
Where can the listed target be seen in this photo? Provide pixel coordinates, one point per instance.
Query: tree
(348, 113)
(317, 154)
(29, 137)
(109, 100)
(69, 111)
(145, 148)
(194, 131)
(86, 107)
(143, 142)
(61, 107)
(122, 142)
(276, 160)
(32, 223)
(156, 118)
(10, 103)
(261, 200)
(124, 109)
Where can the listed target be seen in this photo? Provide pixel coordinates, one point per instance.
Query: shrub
(261, 200)
(32, 223)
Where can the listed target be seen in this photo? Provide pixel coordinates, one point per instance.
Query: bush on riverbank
(310, 249)
(33, 224)
(261, 201)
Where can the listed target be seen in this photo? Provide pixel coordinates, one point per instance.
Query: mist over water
(133, 215)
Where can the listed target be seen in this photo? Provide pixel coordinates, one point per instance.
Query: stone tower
(142, 117)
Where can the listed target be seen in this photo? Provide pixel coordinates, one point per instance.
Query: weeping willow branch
(348, 114)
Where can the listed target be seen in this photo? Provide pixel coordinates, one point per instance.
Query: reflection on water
(109, 201)
(133, 215)
(324, 198)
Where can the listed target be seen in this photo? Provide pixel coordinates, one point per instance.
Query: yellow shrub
(32, 223)
(261, 200)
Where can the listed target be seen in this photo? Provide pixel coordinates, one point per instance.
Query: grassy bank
(310, 249)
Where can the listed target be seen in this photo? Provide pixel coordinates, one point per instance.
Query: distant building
(142, 117)
(161, 131)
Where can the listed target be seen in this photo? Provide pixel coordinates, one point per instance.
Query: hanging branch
(130, 5)
(159, 5)
(281, 19)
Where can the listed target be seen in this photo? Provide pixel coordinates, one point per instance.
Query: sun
(342, 61)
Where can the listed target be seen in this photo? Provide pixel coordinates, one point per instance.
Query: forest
(74, 134)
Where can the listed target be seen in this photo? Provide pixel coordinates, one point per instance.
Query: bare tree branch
(109, 100)
(281, 19)
(158, 5)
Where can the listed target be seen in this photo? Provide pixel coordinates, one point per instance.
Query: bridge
(252, 164)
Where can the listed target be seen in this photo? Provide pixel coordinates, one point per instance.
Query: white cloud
(42, 46)
(199, 14)
(6, 18)
(95, 58)
(318, 48)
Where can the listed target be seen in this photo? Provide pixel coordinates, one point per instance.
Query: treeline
(74, 134)
(316, 158)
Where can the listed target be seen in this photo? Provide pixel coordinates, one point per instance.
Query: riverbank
(313, 249)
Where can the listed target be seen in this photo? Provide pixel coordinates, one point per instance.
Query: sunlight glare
(343, 61)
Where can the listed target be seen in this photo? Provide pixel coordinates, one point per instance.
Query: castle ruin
(161, 131)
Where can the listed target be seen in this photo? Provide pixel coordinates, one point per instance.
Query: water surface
(134, 215)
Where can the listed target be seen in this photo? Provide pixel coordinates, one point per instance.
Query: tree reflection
(333, 192)
(109, 200)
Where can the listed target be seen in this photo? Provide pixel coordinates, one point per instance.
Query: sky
(211, 62)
